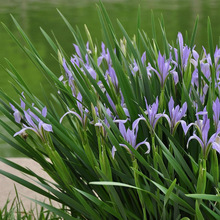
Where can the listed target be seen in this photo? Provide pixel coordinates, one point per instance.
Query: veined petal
(77, 50)
(205, 129)
(24, 129)
(171, 106)
(183, 109)
(150, 68)
(131, 137)
(185, 126)
(158, 116)
(71, 112)
(29, 120)
(17, 116)
(196, 138)
(144, 143)
(113, 152)
(136, 122)
(44, 112)
(79, 100)
(216, 111)
(22, 103)
(212, 139)
(195, 55)
(126, 112)
(34, 116)
(216, 146)
(126, 147)
(175, 76)
(68, 72)
(120, 121)
(98, 124)
(111, 101)
(143, 58)
(123, 130)
(61, 78)
(47, 127)
(180, 38)
(12, 106)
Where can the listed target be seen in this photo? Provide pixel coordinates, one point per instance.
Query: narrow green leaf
(57, 211)
(215, 198)
(25, 37)
(210, 41)
(175, 198)
(176, 165)
(194, 32)
(169, 191)
(49, 40)
(100, 203)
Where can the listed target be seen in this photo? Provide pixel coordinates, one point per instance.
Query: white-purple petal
(22, 104)
(71, 112)
(12, 106)
(185, 126)
(24, 129)
(196, 138)
(17, 116)
(47, 127)
(44, 111)
(144, 143)
(77, 50)
(29, 120)
(171, 106)
(113, 151)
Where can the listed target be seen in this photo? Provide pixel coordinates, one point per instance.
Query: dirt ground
(7, 190)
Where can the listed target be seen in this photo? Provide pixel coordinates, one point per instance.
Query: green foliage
(98, 172)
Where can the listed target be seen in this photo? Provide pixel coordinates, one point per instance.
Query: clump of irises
(137, 135)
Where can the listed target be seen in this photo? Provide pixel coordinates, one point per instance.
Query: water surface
(179, 15)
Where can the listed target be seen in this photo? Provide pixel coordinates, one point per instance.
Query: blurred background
(179, 15)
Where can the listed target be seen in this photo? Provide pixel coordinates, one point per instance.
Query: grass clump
(15, 210)
(137, 136)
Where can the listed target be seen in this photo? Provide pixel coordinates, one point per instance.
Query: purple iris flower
(184, 52)
(111, 72)
(89, 68)
(144, 58)
(205, 69)
(216, 57)
(152, 114)
(175, 114)
(111, 102)
(216, 113)
(105, 121)
(77, 51)
(17, 114)
(130, 135)
(77, 61)
(203, 127)
(104, 55)
(99, 124)
(82, 116)
(135, 67)
(69, 76)
(216, 60)
(164, 70)
(35, 123)
(216, 144)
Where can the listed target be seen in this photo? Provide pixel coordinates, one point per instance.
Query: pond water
(179, 15)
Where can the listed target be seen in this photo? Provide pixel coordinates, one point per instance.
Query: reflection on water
(179, 15)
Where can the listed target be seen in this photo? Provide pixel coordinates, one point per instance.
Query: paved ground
(7, 185)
